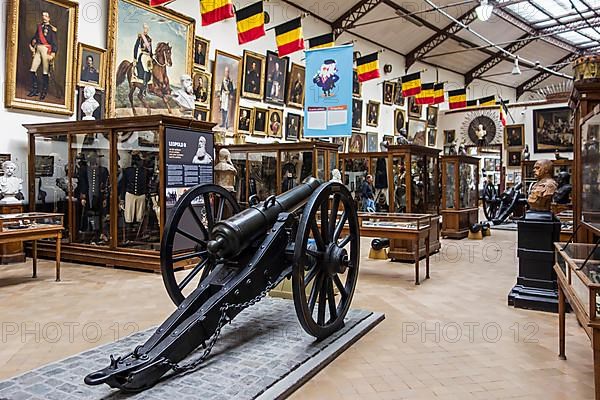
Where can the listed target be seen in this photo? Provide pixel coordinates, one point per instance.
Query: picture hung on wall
(40, 55)
(254, 75)
(277, 69)
(373, 113)
(449, 136)
(432, 116)
(371, 142)
(292, 126)
(92, 66)
(227, 70)
(357, 111)
(358, 143)
(514, 136)
(389, 139)
(162, 44)
(552, 130)
(398, 99)
(399, 122)
(202, 114)
(295, 91)
(414, 110)
(259, 125)
(275, 125)
(202, 81)
(97, 108)
(431, 136)
(388, 93)
(201, 52)
(356, 85)
(341, 142)
(514, 158)
(417, 130)
(245, 120)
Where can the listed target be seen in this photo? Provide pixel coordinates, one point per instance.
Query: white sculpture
(225, 172)
(185, 97)
(90, 104)
(10, 185)
(336, 176)
(202, 157)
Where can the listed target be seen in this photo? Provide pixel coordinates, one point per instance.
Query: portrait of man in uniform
(253, 76)
(277, 69)
(226, 91)
(40, 52)
(92, 66)
(295, 94)
(201, 47)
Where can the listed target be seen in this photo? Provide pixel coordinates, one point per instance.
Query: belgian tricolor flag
(289, 37)
(471, 103)
(438, 93)
(503, 112)
(250, 22)
(215, 10)
(457, 98)
(427, 94)
(322, 41)
(156, 3)
(487, 101)
(367, 67)
(411, 84)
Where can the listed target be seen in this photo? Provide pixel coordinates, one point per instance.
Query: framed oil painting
(295, 90)
(162, 44)
(253, 80)
(514, 158)
(341, 142)
(92, 66)
(514, 136)
(373, 113)
(388, 93)
(277, 69)
(259, 124)
(398, 99)
(201, 52)
(358, 143)
(552, 130)
(431, 136)
(449, 136)
(414, 110)
(357, 112)
(292, 126)
(371, 142)
(245, 120)
(356, 85)
(41, 54)
(202, 114)
(417, 131)
(399, 122)
(432, 116)
(202, 82)
(227, 71)
(275, 124)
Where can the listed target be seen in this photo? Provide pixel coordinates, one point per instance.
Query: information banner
(328, 101)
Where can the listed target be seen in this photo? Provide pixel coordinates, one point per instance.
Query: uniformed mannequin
(134, 188)
(93, 193)
(288, 174)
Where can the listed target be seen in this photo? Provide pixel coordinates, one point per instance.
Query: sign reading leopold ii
(328, 102)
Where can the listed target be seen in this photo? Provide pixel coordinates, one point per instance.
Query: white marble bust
(336, 176)
(90, 104)
(185, 97)
(225, 172)
(10, 185)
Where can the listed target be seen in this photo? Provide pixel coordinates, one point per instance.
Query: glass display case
(267, 169)
(590, 172)
(460, 195)
(112, 178)
(24, 221)
(394, 221)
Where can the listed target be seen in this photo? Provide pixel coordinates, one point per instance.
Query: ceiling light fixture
(516, 70)
(484, 10)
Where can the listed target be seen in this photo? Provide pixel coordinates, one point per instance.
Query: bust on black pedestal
(536, 286)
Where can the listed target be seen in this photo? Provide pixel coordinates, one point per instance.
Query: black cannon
(217, 260)
(497, 209)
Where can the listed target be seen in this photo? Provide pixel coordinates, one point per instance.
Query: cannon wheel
(326, 258)
(192, 220)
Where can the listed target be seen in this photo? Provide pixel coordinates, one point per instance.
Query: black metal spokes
(185, 261)
(326, 260)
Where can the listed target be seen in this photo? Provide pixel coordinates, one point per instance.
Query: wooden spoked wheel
(185, 261)
(326, 260)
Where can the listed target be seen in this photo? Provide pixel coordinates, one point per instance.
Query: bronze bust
(540, 195)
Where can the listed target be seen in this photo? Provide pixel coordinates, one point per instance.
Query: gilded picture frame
(226, 121)
(275, 123)
(514, 136)
(98, 63)
(172, 38)
(253, 87)
(62, 73)
(295, 87)
(201, 52)
(260, 116)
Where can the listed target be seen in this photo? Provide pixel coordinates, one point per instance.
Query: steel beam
(542, 76)
(350, 17)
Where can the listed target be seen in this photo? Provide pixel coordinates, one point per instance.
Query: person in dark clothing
(366, 194)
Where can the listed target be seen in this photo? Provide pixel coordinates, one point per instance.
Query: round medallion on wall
(482, 130)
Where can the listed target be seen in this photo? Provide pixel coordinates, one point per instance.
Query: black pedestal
(536, 287)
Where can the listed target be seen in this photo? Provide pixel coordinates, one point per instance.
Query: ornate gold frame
(281, 120)
(101, 68)
(369, 104)
(288, 92)
(522, 129)
(237, 92)
(396, 112)
(263, 63)
(254, 112)
(208, 74)
(12, 35)
(207, 60)
(112, 39)
(250, 128)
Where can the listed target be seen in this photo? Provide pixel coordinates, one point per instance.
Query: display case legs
(34, 253)
(58, 241)
(416, 252)
(596, 349)
(427, 258)
(561, 324)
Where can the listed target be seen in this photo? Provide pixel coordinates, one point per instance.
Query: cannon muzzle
(234, 235)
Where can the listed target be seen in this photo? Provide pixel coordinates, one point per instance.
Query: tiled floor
(453, 337)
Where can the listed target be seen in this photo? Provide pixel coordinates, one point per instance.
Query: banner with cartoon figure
(328, 101)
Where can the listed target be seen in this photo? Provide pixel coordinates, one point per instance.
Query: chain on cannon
(217, 260)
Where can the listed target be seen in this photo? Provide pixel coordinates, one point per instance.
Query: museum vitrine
(21, 221)
(460, 195)
(590, 171)
(116, 180)
(270, 169)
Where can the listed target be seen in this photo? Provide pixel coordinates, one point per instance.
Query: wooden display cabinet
(270, 169)
(460, 195)
(12, 252)
(116, 181)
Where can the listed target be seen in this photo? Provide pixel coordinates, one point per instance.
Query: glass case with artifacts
(460, 195)
(116, 180)
(590, 172)
(39, 220)
(267, 169)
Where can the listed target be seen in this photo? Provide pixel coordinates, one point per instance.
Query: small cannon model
(217, 260)
(497, 209)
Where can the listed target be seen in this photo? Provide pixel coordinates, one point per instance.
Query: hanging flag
(289, 37)
(503, 112)
(250, 22)
(438, 93)
(156, 3)
(368, 67)
(321, 42)
(457, 98)
(427, 94)
(471, 103)
(215, 10)
(487, 101)
(411, 84)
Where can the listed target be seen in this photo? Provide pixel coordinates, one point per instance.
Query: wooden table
(33, 231)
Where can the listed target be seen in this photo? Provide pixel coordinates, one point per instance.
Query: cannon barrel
(234, 235)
